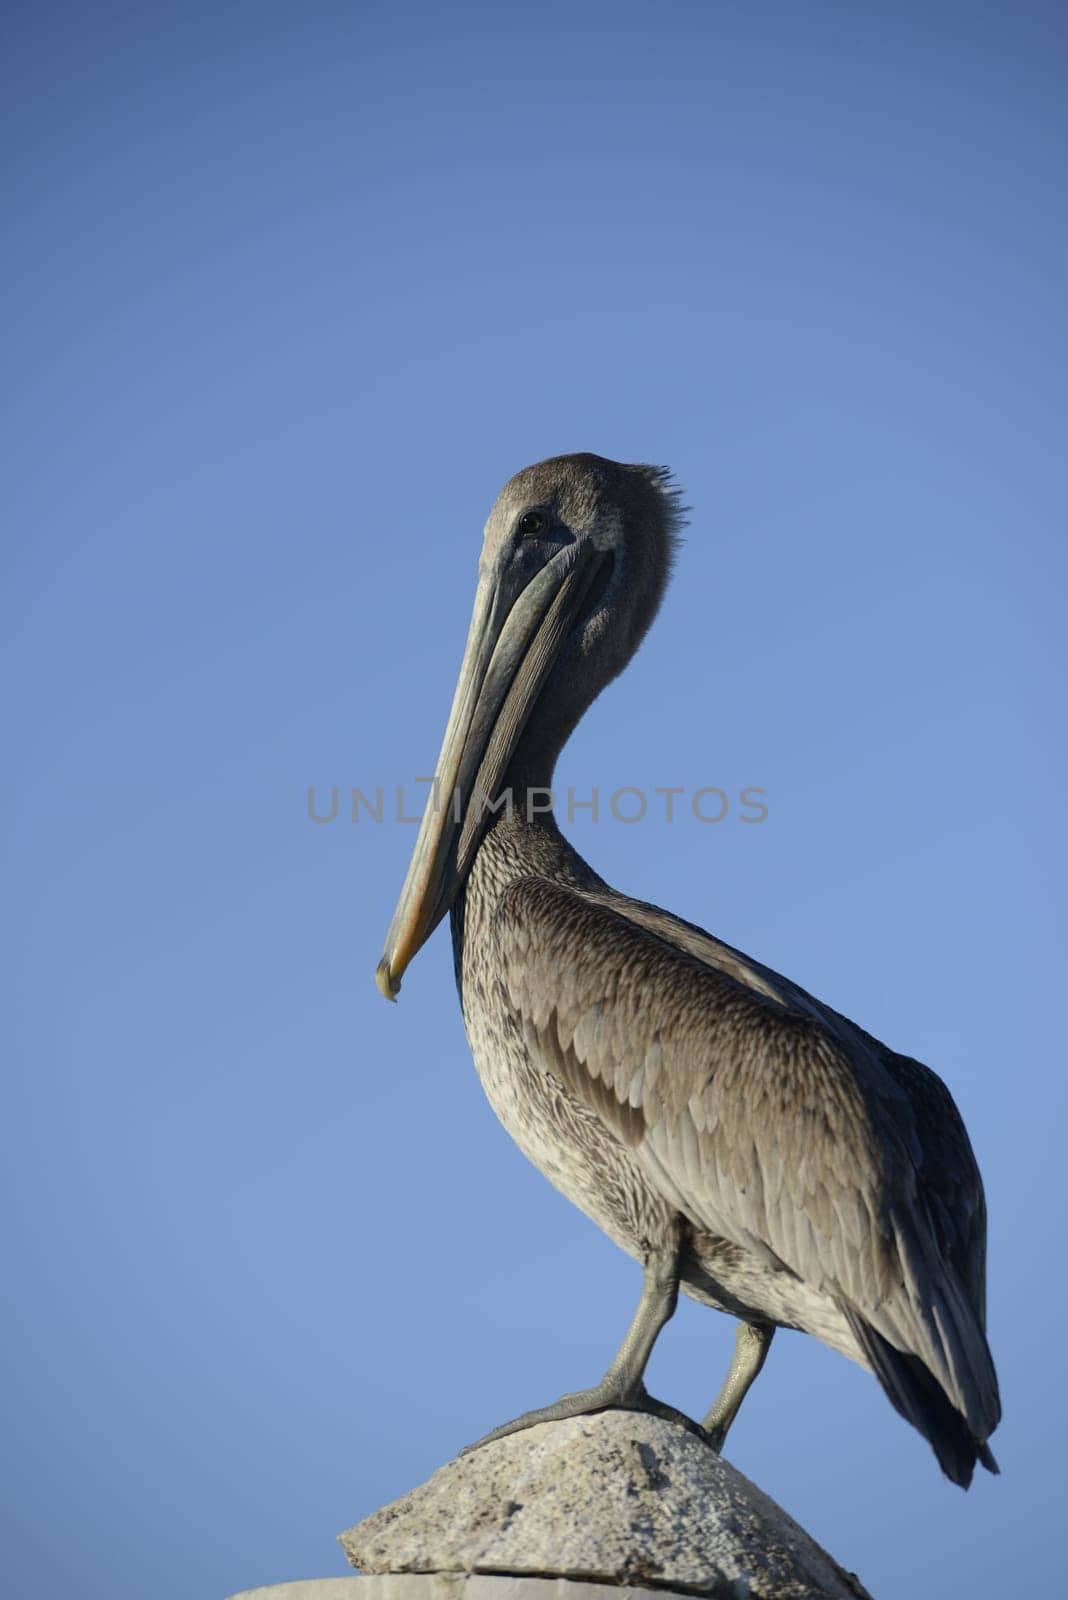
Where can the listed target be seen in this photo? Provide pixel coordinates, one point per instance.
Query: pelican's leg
(751, 1345)
(622, 1386)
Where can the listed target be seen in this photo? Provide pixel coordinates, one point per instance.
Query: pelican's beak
(515, 637)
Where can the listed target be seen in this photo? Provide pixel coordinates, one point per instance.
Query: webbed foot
(602, 1397)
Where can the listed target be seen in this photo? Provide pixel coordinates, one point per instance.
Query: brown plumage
(716, 1120)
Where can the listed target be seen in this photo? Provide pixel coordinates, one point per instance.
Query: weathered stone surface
(310, 1589)
(618, 1498)
(448, 1586)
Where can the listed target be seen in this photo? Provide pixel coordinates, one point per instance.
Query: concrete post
(565, 1509)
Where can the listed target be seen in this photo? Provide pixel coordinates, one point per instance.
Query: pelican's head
(575, 558)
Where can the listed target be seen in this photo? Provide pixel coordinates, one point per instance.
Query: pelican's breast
(557, 1133)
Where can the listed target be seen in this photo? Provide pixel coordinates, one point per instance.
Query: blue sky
(292, 291)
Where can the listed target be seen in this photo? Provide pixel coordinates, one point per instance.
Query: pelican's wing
(765, 1118)
(948, 1176)
(949, 1179)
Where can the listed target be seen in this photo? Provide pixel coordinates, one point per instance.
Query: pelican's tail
(919, 1397)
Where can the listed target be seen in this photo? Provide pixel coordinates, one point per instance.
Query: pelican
(741, 1140)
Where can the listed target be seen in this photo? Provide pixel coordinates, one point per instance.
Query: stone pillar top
(617, 1498)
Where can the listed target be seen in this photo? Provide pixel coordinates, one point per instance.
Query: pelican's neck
(529, 778)
(522, 840)
(571, 689)
(523, 837)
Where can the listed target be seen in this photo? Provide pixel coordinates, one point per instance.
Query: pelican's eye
(531, 523)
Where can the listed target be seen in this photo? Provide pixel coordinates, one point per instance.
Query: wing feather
(768, 1119)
